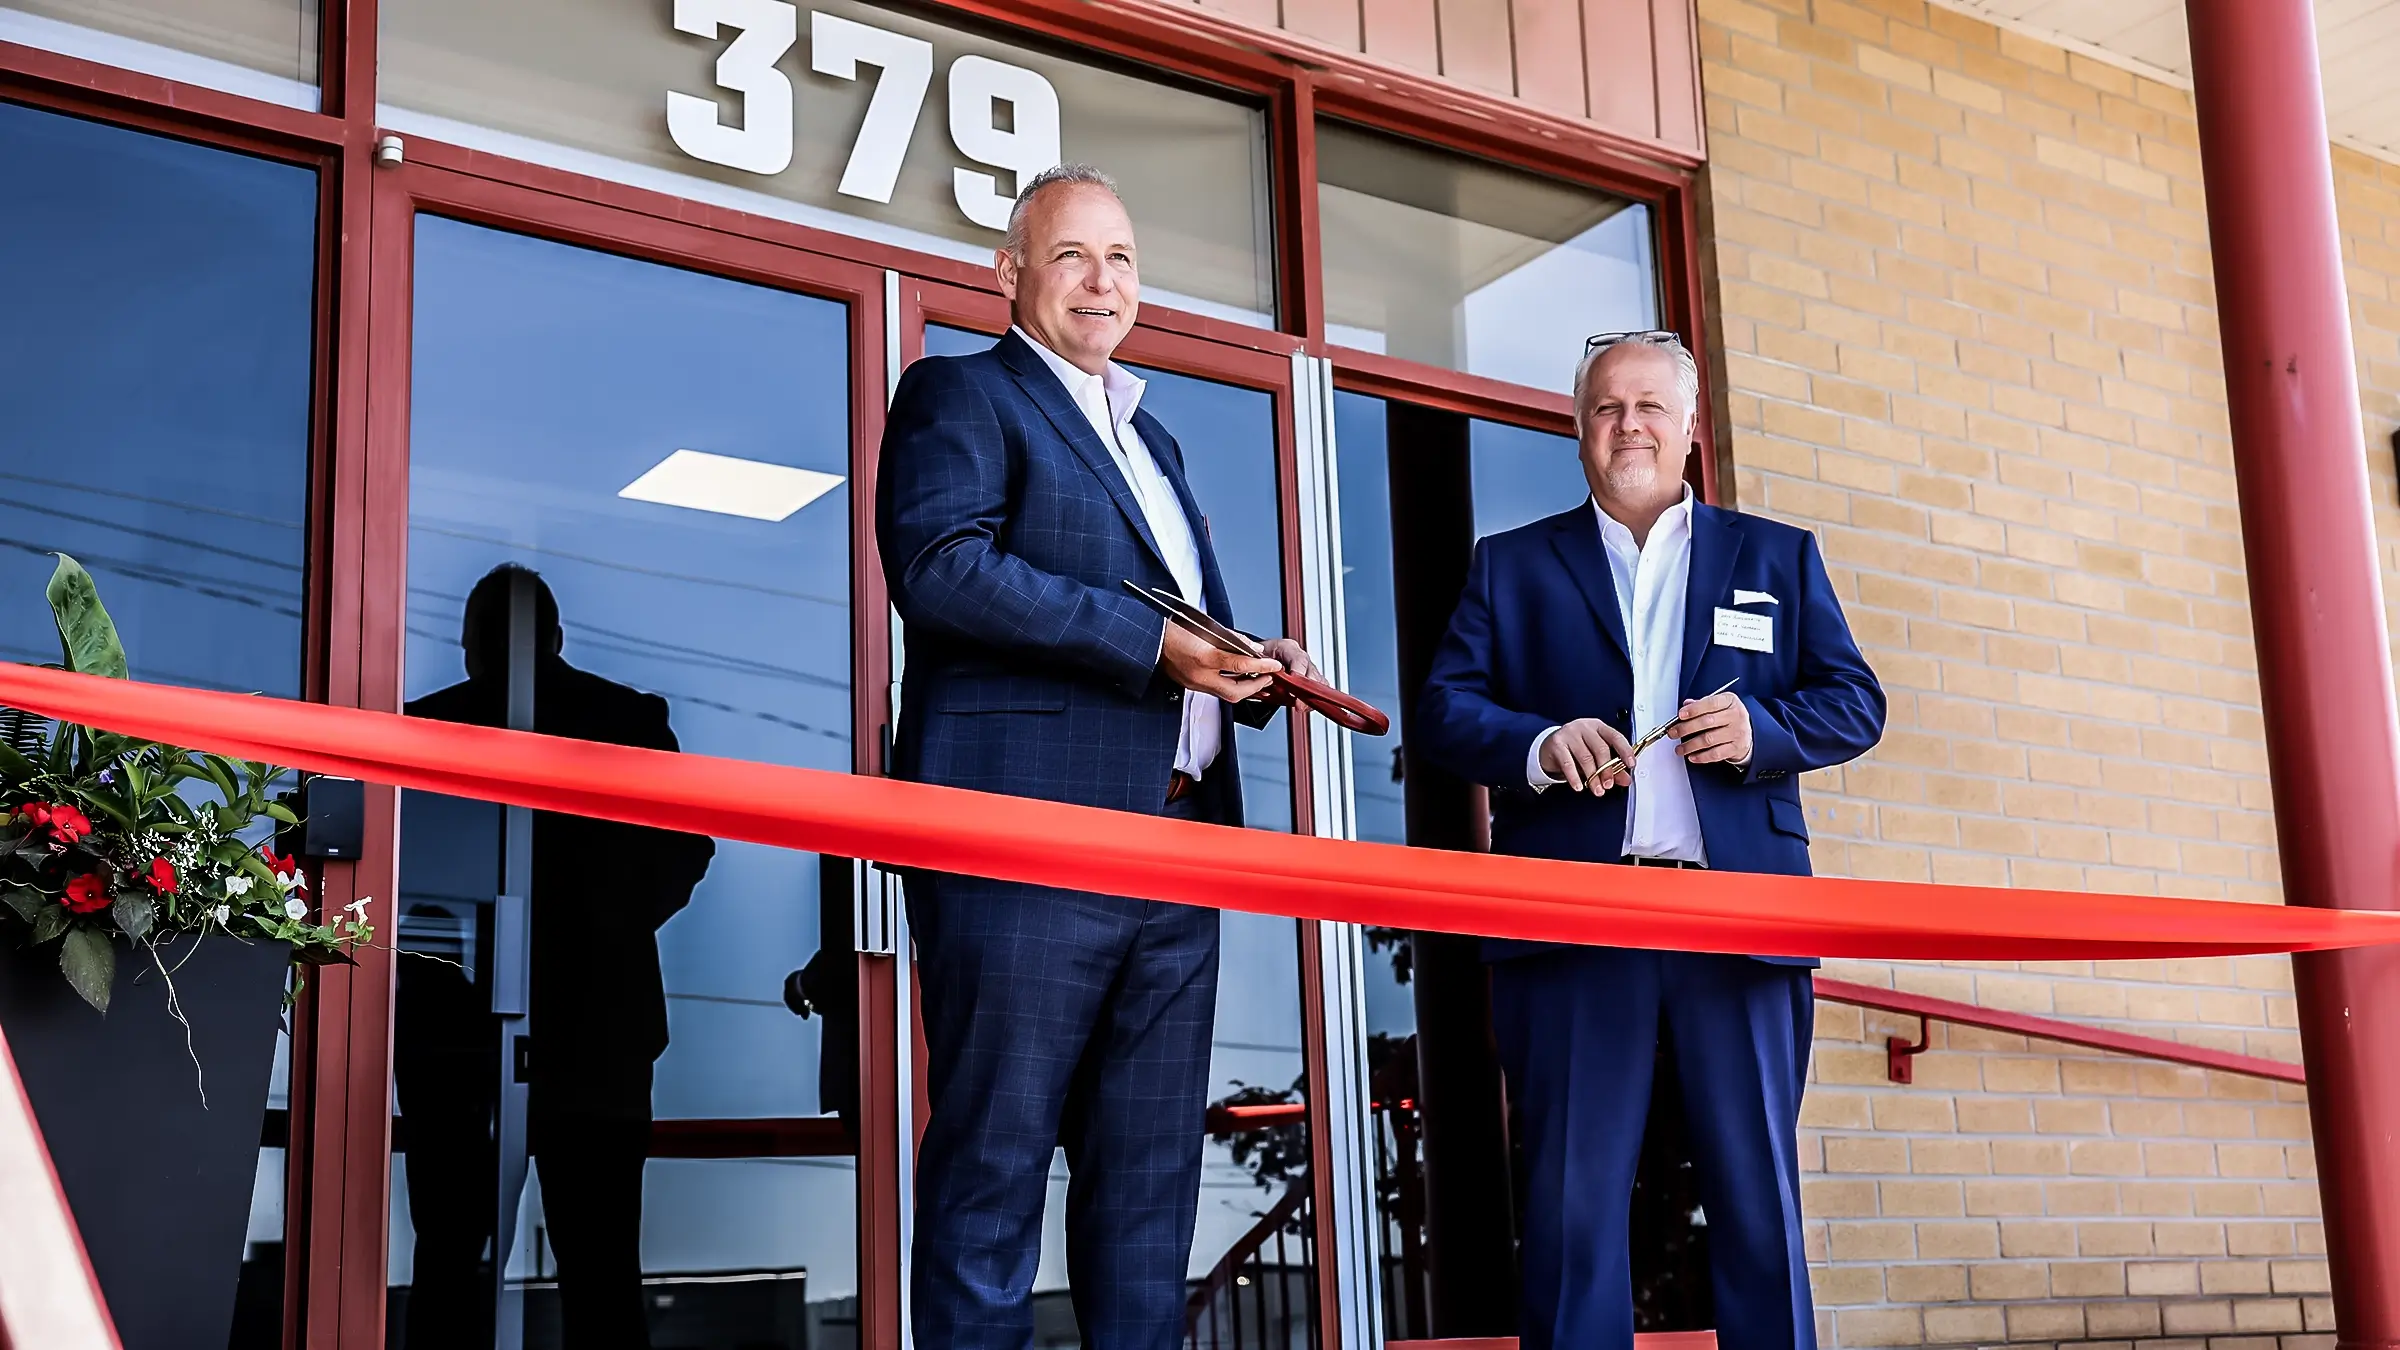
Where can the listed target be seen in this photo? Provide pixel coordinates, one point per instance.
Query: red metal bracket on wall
(1900, 1057)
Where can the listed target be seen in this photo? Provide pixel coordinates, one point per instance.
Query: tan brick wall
(1969, 337)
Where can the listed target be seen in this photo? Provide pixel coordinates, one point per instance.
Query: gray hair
(1687, 372)
(1071, 173)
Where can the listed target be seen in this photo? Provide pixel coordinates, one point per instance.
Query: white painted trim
(2136, 66)
(1346, 1114)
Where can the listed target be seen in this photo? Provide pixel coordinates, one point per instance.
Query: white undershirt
(1108, 402)
(1652, 579)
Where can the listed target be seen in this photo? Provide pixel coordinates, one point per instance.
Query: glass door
(1254, 1275)
(640, 1090)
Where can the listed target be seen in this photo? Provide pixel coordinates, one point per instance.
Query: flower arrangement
(106, 838)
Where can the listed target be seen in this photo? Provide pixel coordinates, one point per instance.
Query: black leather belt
(1634, 861)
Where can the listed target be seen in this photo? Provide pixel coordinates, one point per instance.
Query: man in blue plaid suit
(1019, 488)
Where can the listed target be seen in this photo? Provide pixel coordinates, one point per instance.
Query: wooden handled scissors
(1315, 695)
(1657, 733)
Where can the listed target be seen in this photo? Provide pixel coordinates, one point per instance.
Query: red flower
(87, 894)
(161, 876)
(67, 824)
(286, 870)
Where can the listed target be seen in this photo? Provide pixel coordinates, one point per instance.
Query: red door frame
(400, 195)
(337, 1214)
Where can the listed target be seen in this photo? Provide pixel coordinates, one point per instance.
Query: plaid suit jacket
(1006, 532)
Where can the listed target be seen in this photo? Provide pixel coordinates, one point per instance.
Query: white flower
(237, 886)
(357, 909)
(295, 908)
(221, 915)
(288, 880)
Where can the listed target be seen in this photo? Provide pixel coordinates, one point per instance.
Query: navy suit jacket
(1538, 641)
(1007, 532)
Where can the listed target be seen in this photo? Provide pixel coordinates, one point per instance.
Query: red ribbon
(1084, 848)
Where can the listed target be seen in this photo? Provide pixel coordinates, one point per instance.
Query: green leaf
(50, 922)
(14, 766)
(282, 813)
(86, 634)
(136, 914)
(109, 808)
(25, 900)
(90, 964)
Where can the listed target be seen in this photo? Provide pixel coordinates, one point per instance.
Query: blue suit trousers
(1057, 1018)
(1578, 1029)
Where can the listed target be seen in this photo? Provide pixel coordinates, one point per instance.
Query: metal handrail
(49, 1297)
(1933, 1009)
(1287, 1213)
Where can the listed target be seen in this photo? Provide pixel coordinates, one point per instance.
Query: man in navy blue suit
(1574, 635)
(1020, 487)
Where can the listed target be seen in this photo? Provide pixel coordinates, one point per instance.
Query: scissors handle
(1332, 704)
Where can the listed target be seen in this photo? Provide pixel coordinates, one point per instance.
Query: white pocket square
(1753, 598)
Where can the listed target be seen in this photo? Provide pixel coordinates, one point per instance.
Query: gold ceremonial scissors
(1315, 695)
(1657, 733)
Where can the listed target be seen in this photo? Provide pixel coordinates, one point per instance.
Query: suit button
(1623, 713)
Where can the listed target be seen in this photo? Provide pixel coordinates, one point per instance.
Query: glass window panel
(264, 49)
(1514, 477)
(1245, 1231)
(548, 380)
(155, 385)
(587, 88)
(1436, 257)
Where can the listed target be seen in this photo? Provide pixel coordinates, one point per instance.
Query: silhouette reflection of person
(601, 890)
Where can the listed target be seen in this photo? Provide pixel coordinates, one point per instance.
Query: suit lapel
(1576, 536)
(1041, 384)
(1715, 546)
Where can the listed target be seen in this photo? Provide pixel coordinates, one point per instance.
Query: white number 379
(759, 139)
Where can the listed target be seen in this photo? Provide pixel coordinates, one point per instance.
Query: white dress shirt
(1108, 402)
(1651, 579)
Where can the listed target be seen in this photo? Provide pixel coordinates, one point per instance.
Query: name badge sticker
(1746, 632)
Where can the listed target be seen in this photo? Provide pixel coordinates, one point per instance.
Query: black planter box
(160, 1186)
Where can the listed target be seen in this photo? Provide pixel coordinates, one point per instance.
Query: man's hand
(1714, 730)
(1293, 657)
(1190, 661)
(1576, 751)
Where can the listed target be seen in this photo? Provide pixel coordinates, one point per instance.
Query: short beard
(1630, 480)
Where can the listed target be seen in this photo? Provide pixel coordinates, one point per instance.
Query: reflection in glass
(585, 87)
(1432, 256)
(264, 49)
(622, 1094)
(1253, 1238)
(154, 395)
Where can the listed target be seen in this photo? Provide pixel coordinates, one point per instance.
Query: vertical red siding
(1677, 43)
(1475, 44)
(1549, 47)
(1620, 65)
(1329, 21)
(1262, 13)
(1402, 31)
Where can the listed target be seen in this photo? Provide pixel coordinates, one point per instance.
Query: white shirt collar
(1122, 388)
(1674, 518)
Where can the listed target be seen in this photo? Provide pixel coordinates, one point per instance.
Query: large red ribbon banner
(913, 825)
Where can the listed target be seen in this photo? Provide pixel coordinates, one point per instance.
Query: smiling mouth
(1095, 313)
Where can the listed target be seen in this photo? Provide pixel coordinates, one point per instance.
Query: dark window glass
(156, 299)
(665, 455)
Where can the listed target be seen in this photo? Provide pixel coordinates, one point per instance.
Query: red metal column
(2316, 602)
